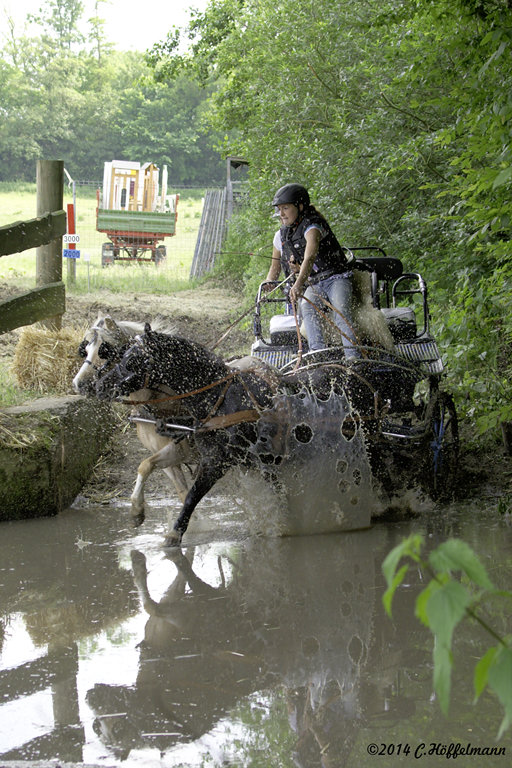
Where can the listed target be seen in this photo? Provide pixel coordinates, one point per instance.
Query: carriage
(337, 442)
(409, 421)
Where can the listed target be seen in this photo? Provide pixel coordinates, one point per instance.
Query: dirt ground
(204, 315)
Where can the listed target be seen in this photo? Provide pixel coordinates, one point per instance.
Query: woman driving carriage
(310, 249)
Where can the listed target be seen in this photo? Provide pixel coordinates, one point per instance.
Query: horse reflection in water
(286, 619)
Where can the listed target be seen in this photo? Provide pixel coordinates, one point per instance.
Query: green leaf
(445, 608)
(505, 724)
(443, 661)
(408, 547)
(502, 177)
(422, 600)
(481, 677)
(456, 555)
(387, 598)
(500, 680)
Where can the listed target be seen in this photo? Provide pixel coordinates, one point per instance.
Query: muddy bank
(48, 449)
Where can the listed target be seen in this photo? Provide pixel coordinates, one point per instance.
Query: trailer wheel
(107, 254)
(441, 447)
(160, 254)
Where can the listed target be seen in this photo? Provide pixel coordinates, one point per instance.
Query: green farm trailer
(134, 213)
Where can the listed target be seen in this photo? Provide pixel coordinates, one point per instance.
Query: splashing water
(312, 453)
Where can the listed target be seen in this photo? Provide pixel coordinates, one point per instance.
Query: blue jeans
(337, 290)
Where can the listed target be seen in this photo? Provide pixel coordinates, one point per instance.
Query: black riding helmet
(291, 193)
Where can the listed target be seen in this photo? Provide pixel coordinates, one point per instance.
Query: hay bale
(11, 435)
(47, 360)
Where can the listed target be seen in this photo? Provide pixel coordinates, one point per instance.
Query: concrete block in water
(47, 450)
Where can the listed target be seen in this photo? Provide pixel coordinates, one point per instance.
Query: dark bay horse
(103, 347)
(225, 405)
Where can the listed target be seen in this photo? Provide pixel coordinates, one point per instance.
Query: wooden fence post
(50, 197)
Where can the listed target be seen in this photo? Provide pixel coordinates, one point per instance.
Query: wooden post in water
(50, 197)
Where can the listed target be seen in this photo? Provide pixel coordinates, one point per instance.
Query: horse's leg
(208, 474)
(197, 585)
(169, 459)
(179, 481)
(163, 609)
(144, 470)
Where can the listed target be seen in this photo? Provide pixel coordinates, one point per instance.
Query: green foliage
(444, 603)
(163, 121)
(205, 33)
(397, 117)
(247, 250)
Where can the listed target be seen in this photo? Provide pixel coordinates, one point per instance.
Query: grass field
(18, 203)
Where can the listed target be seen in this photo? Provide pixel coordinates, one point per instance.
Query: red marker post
(71, 239)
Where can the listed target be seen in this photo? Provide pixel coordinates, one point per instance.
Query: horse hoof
(172, 540)
(138, 519)
(138, 563)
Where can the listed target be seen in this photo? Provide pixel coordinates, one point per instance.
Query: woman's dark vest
(330, 253)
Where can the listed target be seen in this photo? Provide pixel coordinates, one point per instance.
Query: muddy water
(239, 650)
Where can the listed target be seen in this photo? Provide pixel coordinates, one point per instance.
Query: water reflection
(281, 621)
(63, 593)
(265, 651)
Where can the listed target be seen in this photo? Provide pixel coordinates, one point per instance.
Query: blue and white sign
(70, 253)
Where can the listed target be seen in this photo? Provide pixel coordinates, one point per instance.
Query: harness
(106, 351)
(210, 422)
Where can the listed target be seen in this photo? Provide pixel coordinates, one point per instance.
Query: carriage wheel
(160, 254)
(107, 254)
(441, 449)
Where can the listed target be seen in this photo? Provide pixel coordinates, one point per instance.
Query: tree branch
(405, 112)
(328, 87)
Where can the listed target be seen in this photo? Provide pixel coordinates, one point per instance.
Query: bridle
(110, 352)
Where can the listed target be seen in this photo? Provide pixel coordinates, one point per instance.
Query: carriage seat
(384, 267)
(401, 322)
(283, 330)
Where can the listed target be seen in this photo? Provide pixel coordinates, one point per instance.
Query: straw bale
(47, 360)
(10, 435)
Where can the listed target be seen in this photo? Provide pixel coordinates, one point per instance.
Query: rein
(211, 422)
(229, 377)
(330, 306)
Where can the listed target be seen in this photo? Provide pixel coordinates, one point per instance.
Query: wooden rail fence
(47, 302)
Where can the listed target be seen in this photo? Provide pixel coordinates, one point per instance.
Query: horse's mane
(159, 324)
(131, 328)
(193, 351)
